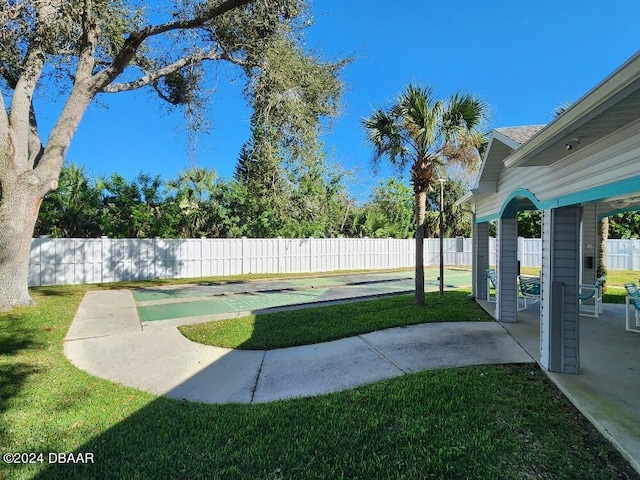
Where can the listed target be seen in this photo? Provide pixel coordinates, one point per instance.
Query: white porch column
(480, 259)
(589, 244)
(559, 315)
(507, 270)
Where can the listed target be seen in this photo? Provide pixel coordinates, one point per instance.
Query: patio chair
(491, 284)
(591, 292)
(632, 300)
(529, 291)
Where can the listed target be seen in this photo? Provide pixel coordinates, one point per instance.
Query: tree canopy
(82, 49)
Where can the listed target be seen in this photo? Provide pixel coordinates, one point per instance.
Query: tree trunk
(18, 214)
(603, 236)
(421, 199)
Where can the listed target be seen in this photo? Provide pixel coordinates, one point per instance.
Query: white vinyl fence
(59, 261)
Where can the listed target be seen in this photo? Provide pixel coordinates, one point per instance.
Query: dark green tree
(195, 189)
(624, 225)
(530, 224)
(73, 209)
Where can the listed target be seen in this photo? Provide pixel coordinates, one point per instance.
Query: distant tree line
(296, 202)
(621, 225)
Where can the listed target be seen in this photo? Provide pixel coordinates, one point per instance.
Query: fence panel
(623, 254)
(56, 261)
(530, 252)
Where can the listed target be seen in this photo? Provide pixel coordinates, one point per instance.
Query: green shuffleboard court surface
(231, 304)
(197, 300)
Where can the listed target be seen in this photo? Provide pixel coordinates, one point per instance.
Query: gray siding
(560, 310)
(614, 158)
(589, 233)
(507, 258)
(481, 260)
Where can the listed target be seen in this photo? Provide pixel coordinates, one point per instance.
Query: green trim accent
(621, 187)
(510, 206)
(488, 218)
(619, 210)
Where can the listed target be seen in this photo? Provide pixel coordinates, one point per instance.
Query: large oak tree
(85, 48)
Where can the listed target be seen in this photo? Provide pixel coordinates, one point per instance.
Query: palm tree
(194, 188)
(426, 134)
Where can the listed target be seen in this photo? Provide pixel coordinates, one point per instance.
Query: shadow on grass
(57, 291)
(13, 373)
(478, 422)
(15, 339)
(412, 427)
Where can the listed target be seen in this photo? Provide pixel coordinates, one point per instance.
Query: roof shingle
(521, 134)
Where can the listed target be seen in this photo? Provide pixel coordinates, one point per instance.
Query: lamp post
(442, 180)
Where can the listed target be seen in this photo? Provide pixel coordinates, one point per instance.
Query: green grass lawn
(485, 422)
(314, 325)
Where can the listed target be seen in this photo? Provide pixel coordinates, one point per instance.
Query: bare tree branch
(86, 60)
(36, 148)
(21, 100)
(5, 154)
(135, 39)
(153, 77)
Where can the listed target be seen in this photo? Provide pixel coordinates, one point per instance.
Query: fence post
(243, 252)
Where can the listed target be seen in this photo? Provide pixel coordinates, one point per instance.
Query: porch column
(559, 310)
(480, 259)
(507, 269)
(589, 244)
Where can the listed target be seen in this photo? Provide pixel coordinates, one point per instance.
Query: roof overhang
(613, 103)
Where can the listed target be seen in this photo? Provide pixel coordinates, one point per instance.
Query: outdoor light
(572, 144)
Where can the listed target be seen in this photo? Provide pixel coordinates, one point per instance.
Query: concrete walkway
(108, 340)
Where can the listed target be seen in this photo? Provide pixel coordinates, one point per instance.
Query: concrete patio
(607, 390)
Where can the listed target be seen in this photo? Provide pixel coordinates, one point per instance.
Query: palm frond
(384, 134)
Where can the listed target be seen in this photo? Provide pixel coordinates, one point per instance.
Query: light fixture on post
(441, 278)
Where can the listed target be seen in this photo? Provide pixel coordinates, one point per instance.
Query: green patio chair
(491, 284)
(591, 292)
(528, 291)
(632, 300)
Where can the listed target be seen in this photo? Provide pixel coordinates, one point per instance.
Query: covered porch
(582, 167)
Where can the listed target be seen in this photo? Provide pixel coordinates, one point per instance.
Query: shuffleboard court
(217, 299)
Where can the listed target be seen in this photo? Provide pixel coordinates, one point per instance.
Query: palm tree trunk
(420, 199)
(602, 250)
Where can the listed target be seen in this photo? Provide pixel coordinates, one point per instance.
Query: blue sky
(523, 58)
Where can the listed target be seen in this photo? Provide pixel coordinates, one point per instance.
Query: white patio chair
(591, 292)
